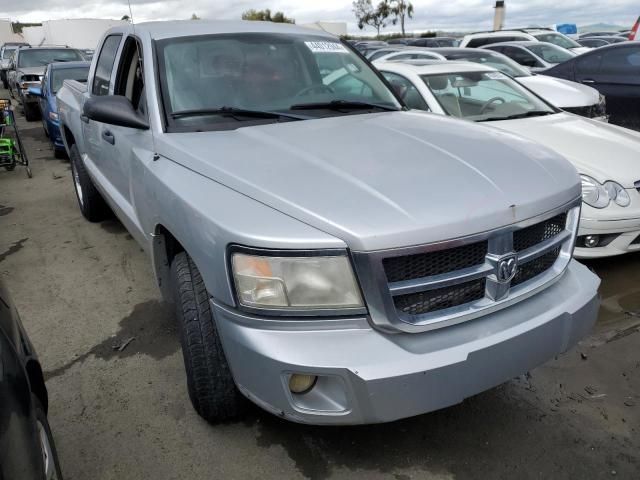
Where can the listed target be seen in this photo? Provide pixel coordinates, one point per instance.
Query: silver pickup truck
(332, 256)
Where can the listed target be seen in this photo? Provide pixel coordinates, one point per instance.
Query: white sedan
(606, 156)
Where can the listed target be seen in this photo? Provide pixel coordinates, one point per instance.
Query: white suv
(480, 39)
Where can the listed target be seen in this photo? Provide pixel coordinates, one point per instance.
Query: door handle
(108, 137)
(588, 80)
(84, 118)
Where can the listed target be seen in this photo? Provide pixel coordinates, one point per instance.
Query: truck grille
(434, 263)
(426, 287)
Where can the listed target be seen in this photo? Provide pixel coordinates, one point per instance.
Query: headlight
(593, 193)
(53, 116)
(296, 283)
(617, 193)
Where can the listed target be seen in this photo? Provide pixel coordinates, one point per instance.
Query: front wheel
(91, 203)
(31, 112)
(212, 390)
(51, 464)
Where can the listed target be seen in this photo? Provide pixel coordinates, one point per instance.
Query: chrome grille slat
(543, 246)
(439, 281)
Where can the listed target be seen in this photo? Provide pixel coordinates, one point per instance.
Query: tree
(366, 14)
(266, 16)
(126, 18)
(194, 17)
(401, 10)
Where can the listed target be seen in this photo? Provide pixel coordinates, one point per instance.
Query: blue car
(54, 76)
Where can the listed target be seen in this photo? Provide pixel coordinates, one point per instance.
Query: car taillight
(634, 31)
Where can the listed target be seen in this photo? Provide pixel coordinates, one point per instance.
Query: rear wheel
(91, 203)
(211, 387)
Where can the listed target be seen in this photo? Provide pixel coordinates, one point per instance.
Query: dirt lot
(83, 289)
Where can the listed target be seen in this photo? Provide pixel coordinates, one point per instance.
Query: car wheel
(59, 153)
(91, 203)
(50, 460)
(31, 112)
(212, 390)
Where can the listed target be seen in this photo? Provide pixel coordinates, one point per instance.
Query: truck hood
(598, 149)
(383, 180)
(32, 70)
(561, 93)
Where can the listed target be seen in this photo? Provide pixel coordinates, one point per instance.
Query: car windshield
(59, 75)
(551, 53)
(484, 96)
(557, 39)
(495, 60)
(41, 57)
(446, 42)
(266, 73)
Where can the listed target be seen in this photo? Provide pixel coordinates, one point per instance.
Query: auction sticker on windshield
(326, 47)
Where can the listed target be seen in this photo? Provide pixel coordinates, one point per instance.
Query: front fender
(206, 217)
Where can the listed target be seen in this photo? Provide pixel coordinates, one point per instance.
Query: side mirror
(114, 110)
(37, 91)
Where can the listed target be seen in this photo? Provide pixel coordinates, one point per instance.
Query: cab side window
(107, 57)
(130, 79)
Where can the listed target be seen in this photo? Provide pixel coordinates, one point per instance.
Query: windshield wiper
(532, 113)
(232, 112)
(342, 105)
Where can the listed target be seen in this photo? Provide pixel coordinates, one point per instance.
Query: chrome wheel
(47, 454)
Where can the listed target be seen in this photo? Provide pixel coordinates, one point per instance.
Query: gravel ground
(84, 288)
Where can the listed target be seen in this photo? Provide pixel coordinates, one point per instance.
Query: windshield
(484, 96)
(495, 60)
(263, 72)
(551, 53)
(59, 75)
(41, 57)
(557, 39)
(447, 42)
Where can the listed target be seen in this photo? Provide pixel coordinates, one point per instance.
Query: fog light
(300, 383)
(591, 241)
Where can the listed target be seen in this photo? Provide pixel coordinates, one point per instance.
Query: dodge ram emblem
(507, 268)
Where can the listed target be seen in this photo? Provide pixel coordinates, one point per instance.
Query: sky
(456, 15)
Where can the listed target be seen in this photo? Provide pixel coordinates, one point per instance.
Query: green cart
(12, 151)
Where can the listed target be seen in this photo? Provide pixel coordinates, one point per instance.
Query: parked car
(536, 56)
(434, 42)
(609, 39)
(314, 269)
(570, 96)
(409, 54)
(376, 52)
(480, 39)
(611, 192)
(593, 42)
(614, 71)
(601, 33)
(6, 51)
(54, 76)
(28, 450)
(28, 68)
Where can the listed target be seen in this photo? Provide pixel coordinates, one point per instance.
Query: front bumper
(619, 227)
(367, 376)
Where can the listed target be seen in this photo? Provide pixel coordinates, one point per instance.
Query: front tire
(212, 390)
(91, 203)
(51, 464)
(31, 112)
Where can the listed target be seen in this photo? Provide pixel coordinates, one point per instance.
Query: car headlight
(617, 193)
(594, 193)
(295, 282)
(53, 116)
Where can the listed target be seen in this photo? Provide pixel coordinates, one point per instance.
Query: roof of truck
(187, 28)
